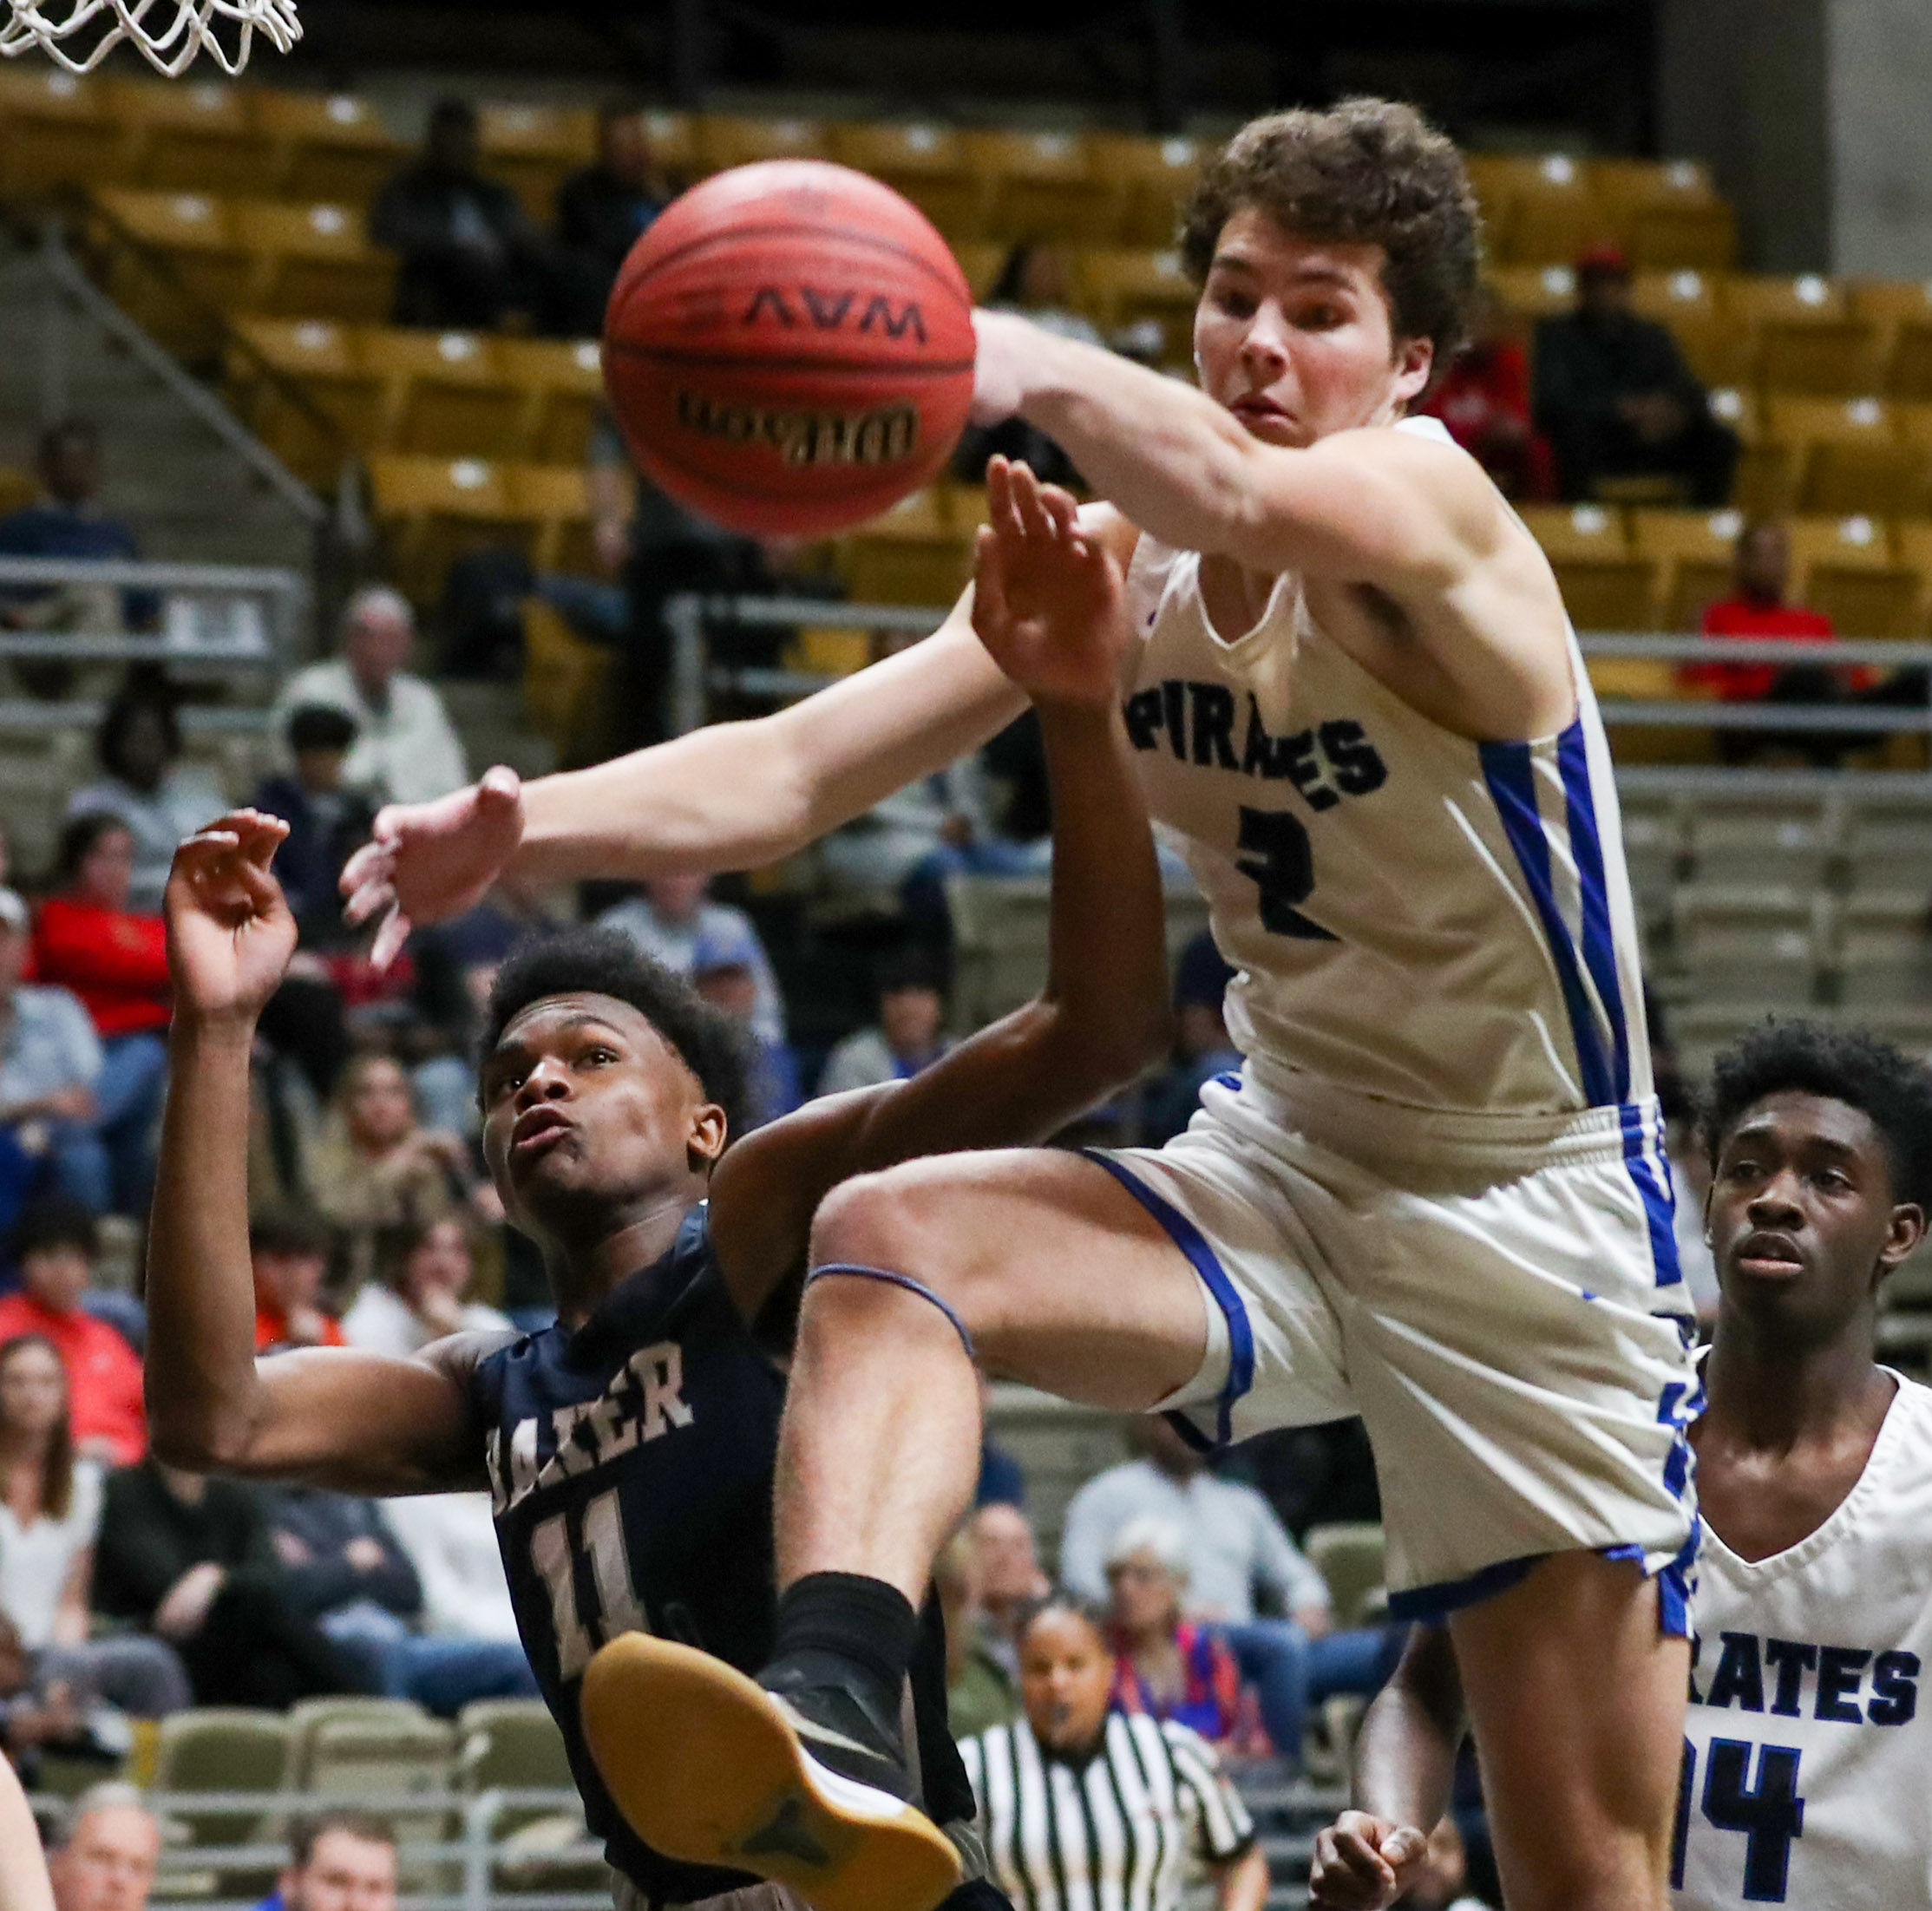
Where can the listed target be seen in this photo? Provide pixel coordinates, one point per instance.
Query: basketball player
(1435, 1193)
(629, 1449)
(1806, 1763)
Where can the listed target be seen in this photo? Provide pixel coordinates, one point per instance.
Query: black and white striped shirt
(1118, 1833)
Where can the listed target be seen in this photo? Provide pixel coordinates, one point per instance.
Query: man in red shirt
(1757, 609)
(54, 1243)
(290, 1254)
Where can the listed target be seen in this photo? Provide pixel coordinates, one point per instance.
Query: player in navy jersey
(629, 1450)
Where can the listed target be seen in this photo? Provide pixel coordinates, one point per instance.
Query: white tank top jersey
(1415, 916)
(1807, 1776)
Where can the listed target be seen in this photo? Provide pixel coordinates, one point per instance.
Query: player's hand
(1005, 344)
(1047, 602)
(229, 934)
(1363, 1864)
(428, 861)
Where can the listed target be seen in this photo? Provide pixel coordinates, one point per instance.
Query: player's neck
(1766, 1389)
(584, 1268)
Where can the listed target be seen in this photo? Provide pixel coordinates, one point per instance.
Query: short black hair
(142, 694)
(55, 1221)
(290, 1230)
(1848, 1065)
(1063, 1599)
(917, 967)
(593, 961)
(320, 726)
(79, 834)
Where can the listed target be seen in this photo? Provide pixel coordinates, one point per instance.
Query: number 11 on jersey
(554, 1559)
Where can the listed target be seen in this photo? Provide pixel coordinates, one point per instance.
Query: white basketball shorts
(1498, 1296)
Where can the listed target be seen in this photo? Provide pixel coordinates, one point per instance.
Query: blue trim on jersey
(1586, 842)
(1645, 1164)
(1431, 1605)
(1194, 1244)
(1509, 769)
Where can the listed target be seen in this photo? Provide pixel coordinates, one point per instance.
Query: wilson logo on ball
(827, 312)
(883, 435)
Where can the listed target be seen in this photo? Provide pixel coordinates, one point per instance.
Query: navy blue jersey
(631, 1462)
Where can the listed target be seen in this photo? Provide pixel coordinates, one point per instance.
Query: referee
(1084, 1809)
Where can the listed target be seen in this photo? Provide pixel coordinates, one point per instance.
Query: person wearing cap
(907, 1037)
(724, 971)
(675, 915)
(406, 749)
(1616, 400)
(328, 821)
(50, 1059)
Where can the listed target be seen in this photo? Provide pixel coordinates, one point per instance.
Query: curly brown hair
(1365, 172)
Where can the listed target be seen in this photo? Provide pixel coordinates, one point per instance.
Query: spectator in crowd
(1163, 1664)
(676, 916)
(328, 819)
(346, 1572)
(23, 1882)
(161, 800)
(470, 254)
(67, 523)
(725, 973)
(1483, 399)
(1010, 1577)
(289, 1252)
(109, 1849)
(906, 1037)
(51, 1060)
(1132, 1806)
(423, 1272)
(602, 211)
(49, 1520)
(374, 1166)
(192, 1558)
(1235, 1548)
(1315, 1475)
(54, 1243)
(1616, 400)
(979, 1690)
(1002, 1481)
(1202, 1046)
(87, 939)
(405, 750)
(338, 1861)
(450, 1540)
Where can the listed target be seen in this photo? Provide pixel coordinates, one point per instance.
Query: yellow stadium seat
(1803, 338)
(1689, 304)
(329, 148)
(673, 138)
(435, 509)
(980, 259)
(1694, 552)
(1666, 213)
(911, 554)
(533, 149)
(182, 270)
(313, 261)
(446, 395)
(556, 499)
(56, 131)
(1912, 546)
(1845, 567)
(1901, 309)
(730, 139)
(192, 138)
(323, 361)
(1119, 287)
(1530, 292)
(1158, 175)
(1539, 212)
(567, 687)
(1849, 457)
(1606, 584)
(563, 387)
(1045, 186)
(928, 163)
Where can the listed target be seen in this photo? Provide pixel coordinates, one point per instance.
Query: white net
(79, 34)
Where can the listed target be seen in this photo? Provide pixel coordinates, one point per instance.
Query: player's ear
(1905, 1230)
(710, 1131)
(1415, 359)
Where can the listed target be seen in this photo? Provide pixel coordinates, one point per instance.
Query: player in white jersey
(1807, 1759)
(1434, 1194)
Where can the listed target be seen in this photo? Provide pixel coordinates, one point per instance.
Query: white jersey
(1424, 918)
(1807, 1774)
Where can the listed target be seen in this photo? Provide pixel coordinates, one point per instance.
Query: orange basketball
(789, 348)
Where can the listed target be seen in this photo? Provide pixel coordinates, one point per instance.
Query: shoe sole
(707, 1769)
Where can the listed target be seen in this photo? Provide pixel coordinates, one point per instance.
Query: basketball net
(79, 34)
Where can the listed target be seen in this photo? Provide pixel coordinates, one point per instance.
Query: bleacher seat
(511, 1743)
(1802, 335)
(191, 137)
(1888, 842)
(1158, 175)
(1790, 841)
(1652, 851)
(981, 260)
(1606, 584)
(395, 1758)
(1694, 551)
(1901, 310)
(1120, 286)
(556, 499)
(446, 395)
(1748, 941)
(223, 1749)
(1912, 546)
(1848, 456)
(1884, 954)
(533, 149)
(323, 362)
(311, 262)
(673, 138)
(435, 509)
(913, 553)
(566, 685)
(1845, 568)
(727, 140)
(1687, 303)
(562, 384)
(1530, 292)
(329, 148)
(188, 266)
(1043, 185)
(57, 132)
(1539, 211)
(927, 162)
(1666, 213)
(1352, 1557)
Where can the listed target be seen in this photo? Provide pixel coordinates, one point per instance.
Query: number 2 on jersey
(1769, 1813)
(554, 1559)
(1277, 859)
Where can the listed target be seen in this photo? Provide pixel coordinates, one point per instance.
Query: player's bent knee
(873, 1220)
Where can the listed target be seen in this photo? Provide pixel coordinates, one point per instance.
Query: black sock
(860, 1627)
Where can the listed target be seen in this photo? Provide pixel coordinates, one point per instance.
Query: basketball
(789, 348)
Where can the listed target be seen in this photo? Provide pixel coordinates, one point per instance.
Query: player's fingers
(389, 939)
(373, 858)
(1032, 510)
(989, 581)
(1061, 508)
(375, 894)
(1002, 514)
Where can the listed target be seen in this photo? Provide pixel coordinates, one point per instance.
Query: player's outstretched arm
(1405, 1766)
(731, 796)
(23, 1881)
(1048, 609)
(358, 1422)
